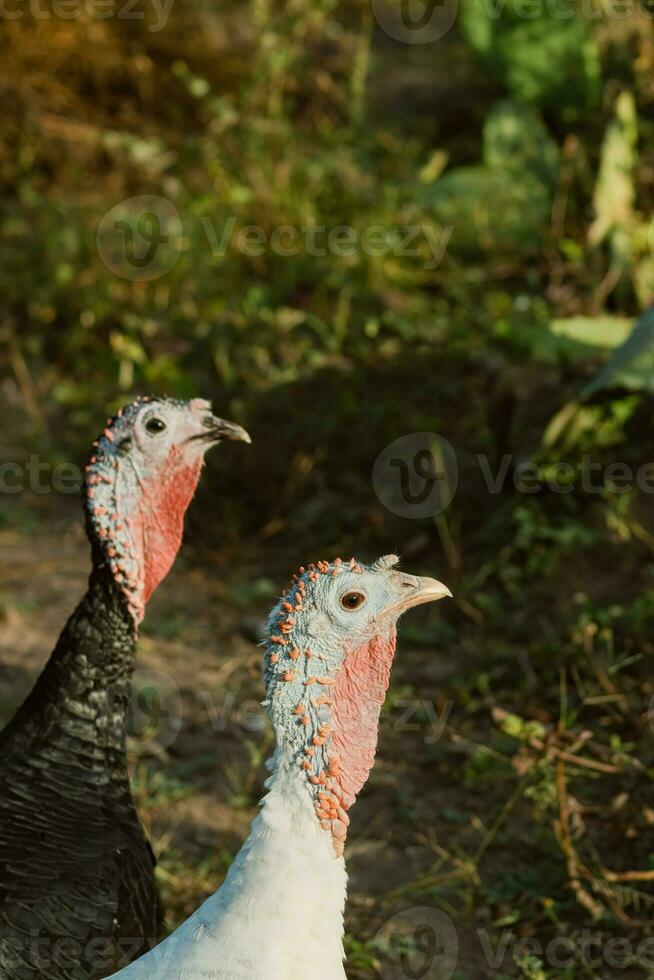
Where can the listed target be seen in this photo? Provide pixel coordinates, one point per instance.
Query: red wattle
(156, 523)
(359, 694)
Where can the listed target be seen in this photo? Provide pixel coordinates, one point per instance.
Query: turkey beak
(220, 430)
(415, 590)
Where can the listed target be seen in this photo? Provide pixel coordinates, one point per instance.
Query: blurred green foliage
(288, 132)
(544, 53)
(503, 206)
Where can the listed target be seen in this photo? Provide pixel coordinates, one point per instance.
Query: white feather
(279, 913)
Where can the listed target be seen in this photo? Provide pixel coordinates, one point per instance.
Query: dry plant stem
(605, 288)
(576, 760)
(562, 828)
(628, 875)
(609, 687)
(575, 867)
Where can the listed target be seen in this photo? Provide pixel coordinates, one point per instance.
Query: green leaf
(599, 332)
(573, 339)
(632, 364)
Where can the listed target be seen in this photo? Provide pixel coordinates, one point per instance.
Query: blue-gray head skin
(329, 648)
(139, 483)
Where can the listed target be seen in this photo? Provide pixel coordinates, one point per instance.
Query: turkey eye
(352, 600)
(155, 425)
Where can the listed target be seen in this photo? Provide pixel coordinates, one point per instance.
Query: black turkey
(77, 890)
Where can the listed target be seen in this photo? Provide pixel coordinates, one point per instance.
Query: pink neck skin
(155, 524)
(358, 697)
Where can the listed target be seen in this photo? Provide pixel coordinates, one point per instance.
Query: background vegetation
(525, 145)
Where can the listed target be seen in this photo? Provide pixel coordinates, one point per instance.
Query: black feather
(77, 892)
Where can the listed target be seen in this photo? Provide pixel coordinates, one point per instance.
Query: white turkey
(328, 652)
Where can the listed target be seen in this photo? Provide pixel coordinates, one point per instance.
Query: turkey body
(77, 891)
(279, 913)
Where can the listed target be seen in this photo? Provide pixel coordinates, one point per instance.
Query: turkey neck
(83, 692)
(280, 911)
